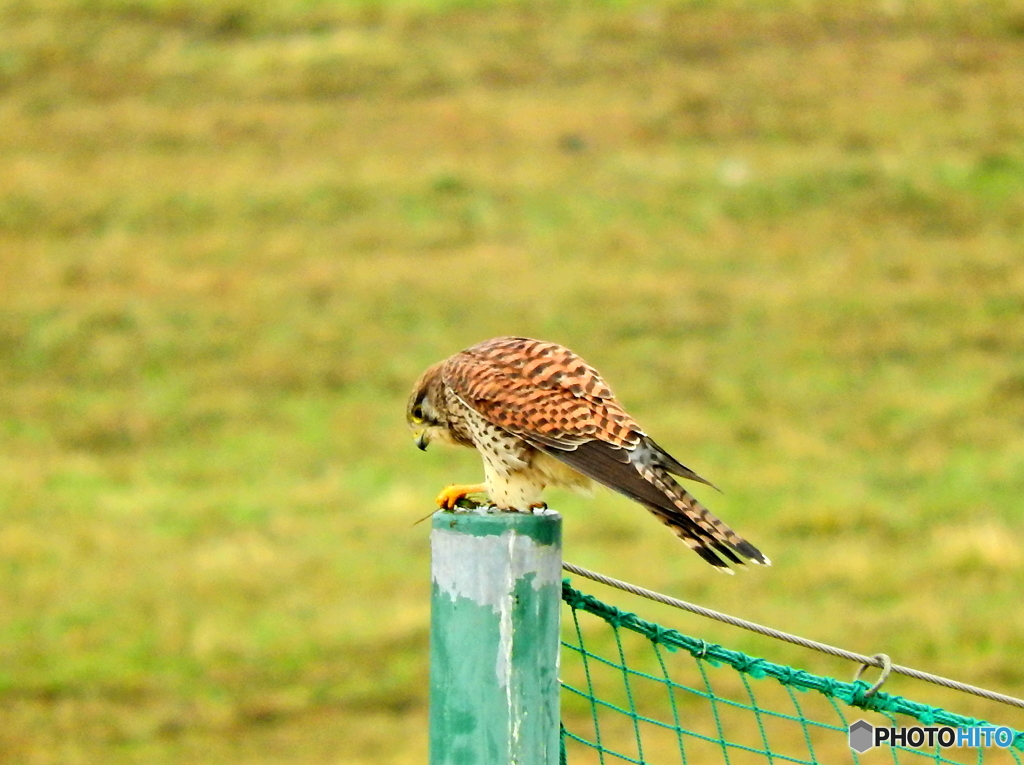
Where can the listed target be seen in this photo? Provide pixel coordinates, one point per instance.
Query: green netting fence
(637, 692)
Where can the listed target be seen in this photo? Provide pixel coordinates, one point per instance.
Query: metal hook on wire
(886, 669)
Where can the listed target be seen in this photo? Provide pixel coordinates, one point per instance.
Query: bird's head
(426, 412)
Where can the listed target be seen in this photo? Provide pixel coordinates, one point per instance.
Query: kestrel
(541, 416)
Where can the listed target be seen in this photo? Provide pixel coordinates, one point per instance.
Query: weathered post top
(494, 638)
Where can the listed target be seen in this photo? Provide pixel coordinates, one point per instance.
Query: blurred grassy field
(233, 233)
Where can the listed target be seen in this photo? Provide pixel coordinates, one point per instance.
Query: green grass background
(233, 233)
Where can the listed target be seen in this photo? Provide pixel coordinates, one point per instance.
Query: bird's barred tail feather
(642, 476)
(693, 523)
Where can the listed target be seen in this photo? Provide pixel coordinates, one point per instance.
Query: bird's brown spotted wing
(541, 392)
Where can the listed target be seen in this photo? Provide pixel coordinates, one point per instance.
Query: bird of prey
(541, 416)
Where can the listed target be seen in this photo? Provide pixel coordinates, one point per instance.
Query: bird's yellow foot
(450, 495)
(538, 506)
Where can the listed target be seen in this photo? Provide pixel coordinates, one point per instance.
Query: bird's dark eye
(417, 413)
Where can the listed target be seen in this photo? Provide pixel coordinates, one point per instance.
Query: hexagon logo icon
(862, 736)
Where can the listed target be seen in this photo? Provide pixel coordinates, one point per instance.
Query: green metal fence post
(494, 638)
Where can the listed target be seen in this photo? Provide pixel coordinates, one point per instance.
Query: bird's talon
(457, 494)
(537, 506)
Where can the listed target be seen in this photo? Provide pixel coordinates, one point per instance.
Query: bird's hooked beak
(422, 439)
